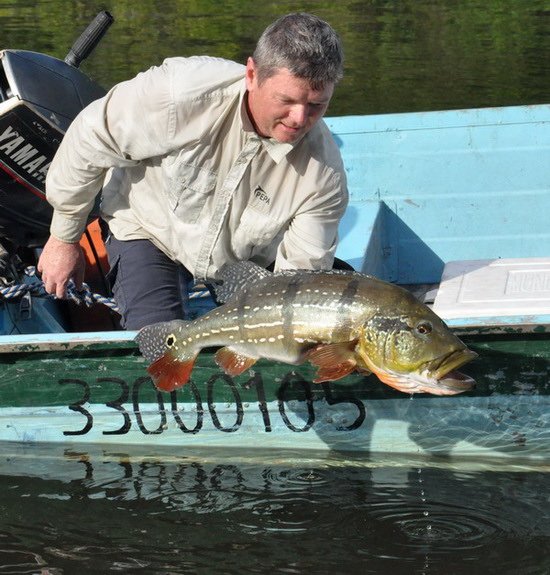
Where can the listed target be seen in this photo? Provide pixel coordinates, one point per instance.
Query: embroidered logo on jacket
(261, 201)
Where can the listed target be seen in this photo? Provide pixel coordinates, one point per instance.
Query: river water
(401, 55)
(101, 510)
(78, 510)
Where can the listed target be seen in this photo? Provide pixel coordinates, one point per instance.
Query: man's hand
(60, 262)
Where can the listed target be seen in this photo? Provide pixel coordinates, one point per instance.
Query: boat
(449, 204)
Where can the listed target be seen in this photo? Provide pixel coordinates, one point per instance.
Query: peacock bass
(340, 321)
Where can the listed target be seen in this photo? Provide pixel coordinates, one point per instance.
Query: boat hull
(97, 391)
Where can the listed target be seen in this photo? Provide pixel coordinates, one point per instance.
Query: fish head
(414, 351)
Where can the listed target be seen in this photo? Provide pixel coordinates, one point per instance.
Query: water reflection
(294, 513)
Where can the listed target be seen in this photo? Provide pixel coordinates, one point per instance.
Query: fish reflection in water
(297, 513)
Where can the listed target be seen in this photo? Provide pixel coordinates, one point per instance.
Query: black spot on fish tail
(155, 339)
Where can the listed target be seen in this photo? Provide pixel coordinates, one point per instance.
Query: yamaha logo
(18, 150)
(27, 147)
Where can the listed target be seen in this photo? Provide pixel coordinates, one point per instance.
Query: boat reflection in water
(100, 510)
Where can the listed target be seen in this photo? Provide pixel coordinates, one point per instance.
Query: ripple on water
(294, 478)
(453, 529)
(284, 502)
(458, 514)
(299, 516)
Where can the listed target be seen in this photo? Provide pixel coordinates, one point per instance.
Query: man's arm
(310, 241)
(115, 131)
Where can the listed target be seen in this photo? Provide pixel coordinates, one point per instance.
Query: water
(401, 55)
(74, 510)
(99, 511)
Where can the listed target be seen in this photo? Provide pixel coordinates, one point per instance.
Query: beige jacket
(179, 163)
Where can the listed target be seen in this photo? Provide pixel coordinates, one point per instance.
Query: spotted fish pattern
(324, 317)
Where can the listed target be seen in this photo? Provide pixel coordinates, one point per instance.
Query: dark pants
(147, 285)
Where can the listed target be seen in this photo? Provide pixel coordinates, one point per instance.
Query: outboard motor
(39, 97)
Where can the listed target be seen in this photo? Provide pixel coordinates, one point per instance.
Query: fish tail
(169, 372)
(155, 339)
(171, 360)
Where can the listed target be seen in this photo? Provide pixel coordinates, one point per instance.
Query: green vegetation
(406, 55)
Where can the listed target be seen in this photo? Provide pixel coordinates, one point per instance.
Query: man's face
(284, 107)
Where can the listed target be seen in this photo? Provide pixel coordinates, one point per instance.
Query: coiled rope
(79, 296)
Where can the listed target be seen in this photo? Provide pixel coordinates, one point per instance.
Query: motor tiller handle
(89, 39)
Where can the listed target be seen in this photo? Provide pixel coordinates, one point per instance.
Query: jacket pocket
(190, 189)
(257, 234)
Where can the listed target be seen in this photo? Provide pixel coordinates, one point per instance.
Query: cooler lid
(501, 287)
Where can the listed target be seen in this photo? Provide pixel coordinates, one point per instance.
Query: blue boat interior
(429, 188)
(425, 189)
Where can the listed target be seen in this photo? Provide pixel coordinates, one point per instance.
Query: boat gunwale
(64, 341)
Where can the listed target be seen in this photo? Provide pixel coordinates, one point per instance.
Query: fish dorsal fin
(235, 277)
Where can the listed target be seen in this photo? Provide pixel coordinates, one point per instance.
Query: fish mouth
(437, 377)
(445, 375)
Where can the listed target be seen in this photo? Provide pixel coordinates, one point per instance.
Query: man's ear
(251, 73)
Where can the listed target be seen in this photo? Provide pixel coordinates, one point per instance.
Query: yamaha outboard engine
(39, 97)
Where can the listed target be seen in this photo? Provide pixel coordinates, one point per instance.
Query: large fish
(339, 321)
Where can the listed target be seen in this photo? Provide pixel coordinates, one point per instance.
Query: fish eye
(424, 328)
(170, 340)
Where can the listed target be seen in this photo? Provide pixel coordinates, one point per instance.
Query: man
(201, 162)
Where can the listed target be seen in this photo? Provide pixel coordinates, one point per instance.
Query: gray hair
(304, 44)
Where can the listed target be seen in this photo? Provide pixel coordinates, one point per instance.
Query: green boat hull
(97, 391)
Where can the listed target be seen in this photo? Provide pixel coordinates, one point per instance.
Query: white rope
(83, 296)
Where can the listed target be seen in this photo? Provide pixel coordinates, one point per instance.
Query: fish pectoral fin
(334, 360)
(329, 354)
(168, 372)
(335, 372)
(233, 362)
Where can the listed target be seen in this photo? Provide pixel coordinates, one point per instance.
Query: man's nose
(298, 115)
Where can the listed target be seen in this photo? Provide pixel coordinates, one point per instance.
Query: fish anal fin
(169, 373)
(233, 362)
